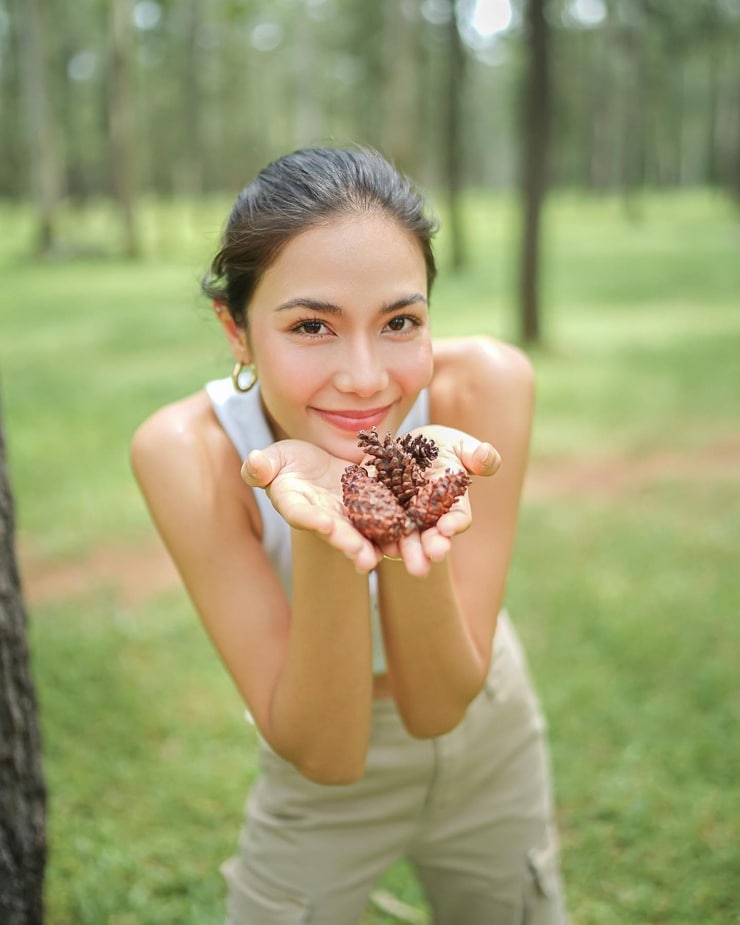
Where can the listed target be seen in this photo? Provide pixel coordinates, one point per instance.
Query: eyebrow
(329, 308)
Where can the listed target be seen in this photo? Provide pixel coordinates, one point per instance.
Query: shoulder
(188, 423)
(182, 451)
(475, 376)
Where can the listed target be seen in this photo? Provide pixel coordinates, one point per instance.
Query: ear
(236, 336)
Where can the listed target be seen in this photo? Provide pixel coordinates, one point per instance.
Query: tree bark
(632, 171)
(455, 141)
(307, 113)
(44, 155)
(122, 127)
(401, 127)
(192, 82)
(536, 111)
(22, 791)
(736, 159)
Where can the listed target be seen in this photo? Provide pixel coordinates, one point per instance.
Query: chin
(347, 449)
(343, 445)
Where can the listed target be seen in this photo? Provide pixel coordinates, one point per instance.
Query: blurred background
(130, 99)
(584, 158)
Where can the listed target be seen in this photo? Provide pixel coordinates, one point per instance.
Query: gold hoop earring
(237, 371)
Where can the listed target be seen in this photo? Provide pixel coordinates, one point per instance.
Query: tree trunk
(401, 85)
(22, 792)
(43, 151)
(307, 114)
(711, 169)
(735, 159)
(122, 127)
(192, 82)
(632, 170)
(534, 179)
(454, 140)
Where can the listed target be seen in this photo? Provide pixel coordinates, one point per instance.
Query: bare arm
(438, 624)
(305, 672)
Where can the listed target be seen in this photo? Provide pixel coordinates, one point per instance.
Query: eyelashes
(314, 328)
(302, 327)
(414, 322)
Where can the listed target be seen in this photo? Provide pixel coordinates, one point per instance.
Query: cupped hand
(457, 451)
(303, 483)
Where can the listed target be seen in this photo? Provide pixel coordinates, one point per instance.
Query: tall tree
(121, 116)
(44, 154)
(454, 139)
(633, 145)
(402, 83)
(22, 791)
(535, 122)
(307, 115)
(192, 81)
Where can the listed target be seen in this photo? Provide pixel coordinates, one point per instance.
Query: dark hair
(301, 190)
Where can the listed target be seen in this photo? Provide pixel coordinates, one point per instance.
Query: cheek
(416, 371)
(292, 375)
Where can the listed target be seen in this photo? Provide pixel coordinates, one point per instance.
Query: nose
(362, 371)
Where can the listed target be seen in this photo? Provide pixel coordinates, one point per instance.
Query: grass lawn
(624, 585)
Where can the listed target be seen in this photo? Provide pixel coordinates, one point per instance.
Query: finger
(478, 458)
(355, 547)
(435, 545)
(367, 559)
(488, 457)
(337, 532)
(455, 521)
(259, 469)
(414, 557)
(305, 516)
(390, 550)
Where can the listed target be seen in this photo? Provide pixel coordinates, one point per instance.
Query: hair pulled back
(301, 190)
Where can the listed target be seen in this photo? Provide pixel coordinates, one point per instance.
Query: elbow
(331, 775)
(434, 725)
(425, 721)
(329, 767)
(337, 760)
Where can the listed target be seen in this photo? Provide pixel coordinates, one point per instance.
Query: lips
(353, 420)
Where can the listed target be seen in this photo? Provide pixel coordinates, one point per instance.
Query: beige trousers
(471, 810)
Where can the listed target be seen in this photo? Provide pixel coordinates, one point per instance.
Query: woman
(394, 712)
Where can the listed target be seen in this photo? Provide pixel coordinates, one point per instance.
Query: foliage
(646, 92)
(623, 585)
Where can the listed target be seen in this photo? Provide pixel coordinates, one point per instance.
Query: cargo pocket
(261, 903)
(543, 901)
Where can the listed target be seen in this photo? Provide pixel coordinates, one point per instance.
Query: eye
(310, 327)
(402, 324)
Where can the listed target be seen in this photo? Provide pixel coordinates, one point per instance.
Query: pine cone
(422, 449)
(395, 467)
(398, 498)
(372, 508)
(436, 497)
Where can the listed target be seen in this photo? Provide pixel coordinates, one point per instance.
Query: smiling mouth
(353, 420)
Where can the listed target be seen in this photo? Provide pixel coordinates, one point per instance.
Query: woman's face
(339, 332)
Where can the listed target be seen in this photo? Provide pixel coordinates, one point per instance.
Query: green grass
(633, 636)
(627, 598)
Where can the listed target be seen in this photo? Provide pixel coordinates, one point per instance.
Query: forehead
(370, 251)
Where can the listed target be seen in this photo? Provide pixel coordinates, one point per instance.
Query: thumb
(479, 458)
(259, 469)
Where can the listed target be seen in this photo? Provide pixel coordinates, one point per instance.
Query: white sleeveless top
(243, 420)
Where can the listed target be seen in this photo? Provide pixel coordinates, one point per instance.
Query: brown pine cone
(436, 497)
(398, 498)
(372, 508)
(395, 467)
(422, 449)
